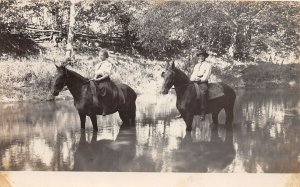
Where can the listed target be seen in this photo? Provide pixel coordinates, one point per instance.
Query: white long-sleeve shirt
(103, 68)
(201, 72)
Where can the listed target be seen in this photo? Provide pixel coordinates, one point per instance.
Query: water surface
(47, 137)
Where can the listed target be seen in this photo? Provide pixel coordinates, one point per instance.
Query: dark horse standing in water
(186, 97)
(83, 99)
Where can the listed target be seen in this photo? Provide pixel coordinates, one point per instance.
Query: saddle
(118, 96)
(215, 90)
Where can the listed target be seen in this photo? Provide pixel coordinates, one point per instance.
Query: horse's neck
(181, 82)
(74, 83)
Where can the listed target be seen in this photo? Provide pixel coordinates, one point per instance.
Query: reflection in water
(104, 154)
(269, 124)
(47, 136)
(215, 155)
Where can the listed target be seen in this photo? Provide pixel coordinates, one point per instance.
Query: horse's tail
(134, 95)
(229, 92)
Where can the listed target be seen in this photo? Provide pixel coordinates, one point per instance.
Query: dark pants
(105, 90)
(203, 95)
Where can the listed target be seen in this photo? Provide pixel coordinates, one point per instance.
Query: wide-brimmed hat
(202, 53)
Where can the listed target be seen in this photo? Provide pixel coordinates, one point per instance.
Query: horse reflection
(210, 156)
(106, 155)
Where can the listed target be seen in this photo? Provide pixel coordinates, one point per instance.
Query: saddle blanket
(215, 90)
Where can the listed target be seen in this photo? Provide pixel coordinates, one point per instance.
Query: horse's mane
(77, 75)
(182, 75)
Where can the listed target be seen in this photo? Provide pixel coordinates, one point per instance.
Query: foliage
(18, 45)
(169, 29)
(241, 29)
(258, 76)
(235, 31)
(229, 76)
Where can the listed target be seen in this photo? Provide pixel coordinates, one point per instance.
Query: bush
(270, 74)
(229, 76)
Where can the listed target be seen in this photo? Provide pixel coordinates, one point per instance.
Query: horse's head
(169, 78)
(59, 80)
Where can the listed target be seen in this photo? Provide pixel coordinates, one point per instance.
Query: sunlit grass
(32, 78)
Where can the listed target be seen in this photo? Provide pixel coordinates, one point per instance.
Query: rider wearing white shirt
(103, 71)
(200, 75)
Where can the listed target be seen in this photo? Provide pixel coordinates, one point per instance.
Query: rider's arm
(101, 78)
(104, 71)
(206, 73)
(195, 75)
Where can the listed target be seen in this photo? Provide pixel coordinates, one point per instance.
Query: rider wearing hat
(200, 75)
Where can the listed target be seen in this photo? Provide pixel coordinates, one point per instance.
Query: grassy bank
(31, 78)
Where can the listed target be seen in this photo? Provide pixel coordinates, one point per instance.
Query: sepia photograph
(149, 93)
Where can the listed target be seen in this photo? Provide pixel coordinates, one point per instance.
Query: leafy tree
(240, 29)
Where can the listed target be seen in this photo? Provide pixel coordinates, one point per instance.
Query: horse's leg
(124, 117)
(94, 121)
(132, 114)
(188, 118)
(215, 116)
(229, 115)
(82, 120)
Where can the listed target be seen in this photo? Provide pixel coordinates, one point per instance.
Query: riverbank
(31, 78)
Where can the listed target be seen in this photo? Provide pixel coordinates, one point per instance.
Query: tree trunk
(69, 48)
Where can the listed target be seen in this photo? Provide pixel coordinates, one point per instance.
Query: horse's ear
(173, 65)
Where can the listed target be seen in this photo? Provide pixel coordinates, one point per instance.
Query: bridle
(173, 80)
(173, 75)
(65, 81)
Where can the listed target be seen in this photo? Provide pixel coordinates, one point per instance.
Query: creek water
(47, 137)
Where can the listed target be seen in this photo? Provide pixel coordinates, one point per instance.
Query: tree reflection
(268, 139)
(34, 136)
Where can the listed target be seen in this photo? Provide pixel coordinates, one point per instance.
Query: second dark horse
(187, 103)
(83, 99)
